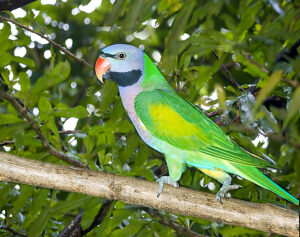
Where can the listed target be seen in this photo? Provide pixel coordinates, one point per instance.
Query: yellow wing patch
(171, 123)
(221, 176)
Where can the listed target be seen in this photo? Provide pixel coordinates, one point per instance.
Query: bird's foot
(165, 180)
(223, 193)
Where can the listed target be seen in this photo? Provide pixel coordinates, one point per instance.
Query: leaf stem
(228, 74)
(22, 110)
(79, 60)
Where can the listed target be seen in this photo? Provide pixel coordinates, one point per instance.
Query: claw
(234, 187)
(162, 180)
(219, 197)
(223, 193)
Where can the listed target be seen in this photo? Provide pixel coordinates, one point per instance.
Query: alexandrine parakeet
(175, 127)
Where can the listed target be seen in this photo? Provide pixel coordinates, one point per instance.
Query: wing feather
(176, 121)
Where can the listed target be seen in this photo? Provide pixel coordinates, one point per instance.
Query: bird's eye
(121, 55)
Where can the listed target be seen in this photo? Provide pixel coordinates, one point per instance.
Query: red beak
(101, 67)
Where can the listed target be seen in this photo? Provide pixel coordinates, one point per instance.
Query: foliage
(246, 35)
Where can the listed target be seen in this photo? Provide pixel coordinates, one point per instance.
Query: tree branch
(5, 143)
(252, 61)
(228, 74)
(182, 201)
(100, 216)
(79, 60)
(73, 229)
(69, 131)
(34, 125)
(214, 113)
(13, 231)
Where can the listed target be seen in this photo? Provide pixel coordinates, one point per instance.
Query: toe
(235, 186)
(219, 197)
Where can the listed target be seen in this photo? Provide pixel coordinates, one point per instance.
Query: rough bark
(183, 201)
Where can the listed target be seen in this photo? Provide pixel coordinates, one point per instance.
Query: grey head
(121, 63)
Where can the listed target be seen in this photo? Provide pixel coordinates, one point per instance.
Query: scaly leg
(176, 167)
(225, 188)
(165, 180)
(224, 179)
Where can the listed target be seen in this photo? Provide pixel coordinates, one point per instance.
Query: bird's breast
(128, 96)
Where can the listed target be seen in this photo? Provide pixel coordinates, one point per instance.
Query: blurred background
(237, 60)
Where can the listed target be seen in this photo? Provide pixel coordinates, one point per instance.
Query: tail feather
(255, 176)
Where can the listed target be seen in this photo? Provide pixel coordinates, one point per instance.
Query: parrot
(177, 128)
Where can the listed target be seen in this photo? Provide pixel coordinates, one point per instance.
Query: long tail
(255, 176)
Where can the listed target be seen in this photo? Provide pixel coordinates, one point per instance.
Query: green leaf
(204, 75)
(31, 141)
(25, 192)
(89, 142)
(142, 156)
(108, 94)
(41, 221)
(267, 87)
(4, 194)
(76, 201)
(221, 96)
(251, 68)
(9, 119)
(130, 230)
(293, 108)
(102, 229)
(231, 89)
(27, 61)
(124, 126)
(240, 231)
(248, 17)
(90, 212)
(132, 143)
(45, 108)
(24, 82)
(119, 215)
(9, 130)
(19, 136)
(5, 59)
(4, 42)
(56, 76)
(171, 6)
(62, 110)
(38, 200)
(172, 42)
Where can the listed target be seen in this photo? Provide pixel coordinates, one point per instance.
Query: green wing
(170, 118)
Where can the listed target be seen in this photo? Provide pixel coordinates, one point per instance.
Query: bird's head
(121, 63)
